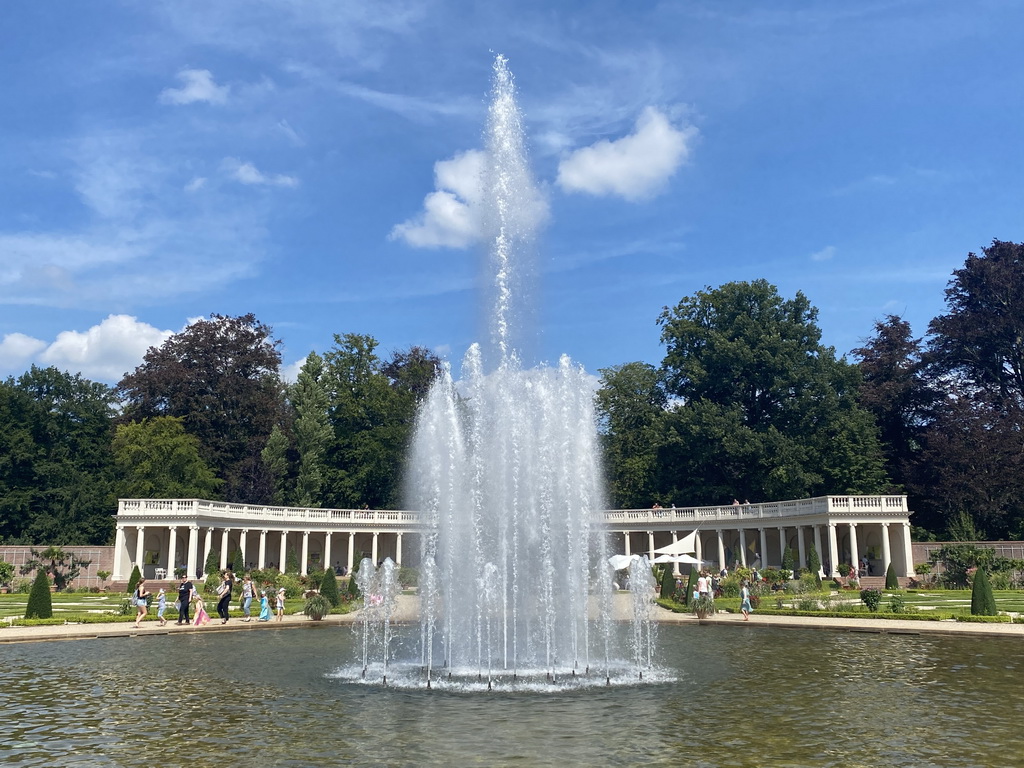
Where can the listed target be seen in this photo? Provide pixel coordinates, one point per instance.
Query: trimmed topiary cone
(690, 584)
(329, 588)
(39, 604)
(668, 581)
(134, 579)
(983, 602)
(891, 582)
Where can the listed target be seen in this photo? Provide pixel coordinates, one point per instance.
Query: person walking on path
(248, 592)
(745, 601)
(161, 606)
(264, 606)
(202, 617)
(224, 590)
(185, 593)
(280, 604)
(141, 605)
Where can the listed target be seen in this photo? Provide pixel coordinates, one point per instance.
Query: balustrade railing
(860, 506)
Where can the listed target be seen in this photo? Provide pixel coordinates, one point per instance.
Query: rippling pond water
(738, 697)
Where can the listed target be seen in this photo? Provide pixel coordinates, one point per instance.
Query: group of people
(709, 586)
(190, 599)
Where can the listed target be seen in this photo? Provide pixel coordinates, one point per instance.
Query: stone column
(207, 546)
(764, 548)
(303, 567)
(243, 537)
(743, 547)
(854, 550)
(398, 548)
(193, 551)
(351, 551)
(373, 549)
(886, 552)
(650, 546)
(119, 548)
(721, 550)
(224, 548)
(625, 535)
(675, 565)
(817, 543)
(262, 562)
(833, 550)
(698, 547)
(908, 551)
(327, 551)
(782, 544)
(172, 550)
(800, 547)
(284, 551)
(140, 540)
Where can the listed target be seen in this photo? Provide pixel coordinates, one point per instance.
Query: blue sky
(311, 162)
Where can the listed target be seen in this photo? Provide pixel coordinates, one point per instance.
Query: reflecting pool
(735, 697)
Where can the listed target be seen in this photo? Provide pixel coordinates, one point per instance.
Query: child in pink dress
(201, 617)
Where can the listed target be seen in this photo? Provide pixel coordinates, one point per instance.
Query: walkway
(407, 612)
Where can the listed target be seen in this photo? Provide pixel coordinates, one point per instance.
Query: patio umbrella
(684, 545)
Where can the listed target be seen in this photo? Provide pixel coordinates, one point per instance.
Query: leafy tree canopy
(156, 458)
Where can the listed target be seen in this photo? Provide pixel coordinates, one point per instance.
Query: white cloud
(104, 352)
(825, 254)
(196, 184)
(450, 216)
(636, 166)
(247, 173)
(17, 351)
(197, 85)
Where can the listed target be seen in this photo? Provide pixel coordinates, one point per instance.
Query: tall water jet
(505, 472)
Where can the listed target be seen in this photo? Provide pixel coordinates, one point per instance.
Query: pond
(734, 697)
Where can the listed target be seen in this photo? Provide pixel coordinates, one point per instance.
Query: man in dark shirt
(185, 590)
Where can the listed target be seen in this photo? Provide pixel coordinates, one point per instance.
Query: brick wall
(101, 559)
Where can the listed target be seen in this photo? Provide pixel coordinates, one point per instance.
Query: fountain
(515, 587)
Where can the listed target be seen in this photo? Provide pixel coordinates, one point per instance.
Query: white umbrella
(684, 545)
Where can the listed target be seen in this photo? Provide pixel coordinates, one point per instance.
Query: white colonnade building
(164, 535)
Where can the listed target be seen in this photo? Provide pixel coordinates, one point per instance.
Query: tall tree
(980, 340)
(156, 458)
(68, 493)
(220, 376)
(631, 404)
(312, 431)
(762, 408)
(894, 389)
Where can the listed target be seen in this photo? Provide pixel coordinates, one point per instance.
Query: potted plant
(703, 606)
(317, 606)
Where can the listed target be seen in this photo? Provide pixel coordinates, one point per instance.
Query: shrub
(134, 579)
(691, 584)
(897, 604)
(814, 564)
(329, 588)
(39, 603)
(788, 560)
(237, 563)
(703, 605)
(212, 564)
(6, 573)
(923, 569)
(317, 606)
(983, 602)
(668, 582)
(871, 598)
(291, 561)
(891, 582)
(408, 577)
(774, 576)
(809, 582)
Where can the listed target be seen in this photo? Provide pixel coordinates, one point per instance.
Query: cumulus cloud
(247, 173)
(635, 167)
(824, 254)
(17, 351)
(450, 216)
(104, 352)
(197, 85)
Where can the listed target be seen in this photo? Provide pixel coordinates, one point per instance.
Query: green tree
(134, 579)
(312, 431)
(220, 376)
(63, 567)
(329, 587)
(237, 563)
(56, 473)
(6, 573)
(631, 405)
(275, 459)
(983, 601)
(814, 563)
(691, 583)
(891, 582)
(668, 581)
(761, 408)
(157, 459)
(40, 606)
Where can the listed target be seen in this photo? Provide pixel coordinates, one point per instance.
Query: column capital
(852, 525)
(172, 527)
(885, 525)
(265, 531)
(140, 527)
(194, 527)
